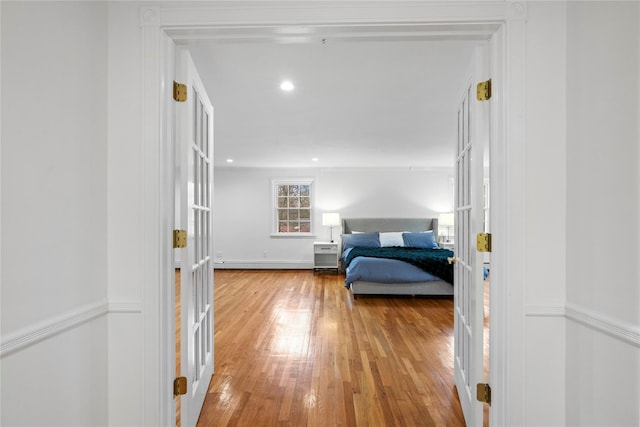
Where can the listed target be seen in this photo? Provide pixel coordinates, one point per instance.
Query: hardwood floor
(292, 348)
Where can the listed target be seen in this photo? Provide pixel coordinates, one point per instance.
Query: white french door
(468, 268)
(194, 130)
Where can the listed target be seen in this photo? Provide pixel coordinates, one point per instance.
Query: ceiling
(356, 103)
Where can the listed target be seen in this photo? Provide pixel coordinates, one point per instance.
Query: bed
(368, 274)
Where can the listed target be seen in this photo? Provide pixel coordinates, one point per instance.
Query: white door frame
(160, 26)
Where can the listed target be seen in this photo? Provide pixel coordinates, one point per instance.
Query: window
(293, 205)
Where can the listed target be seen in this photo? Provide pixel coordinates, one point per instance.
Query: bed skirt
(436, 287)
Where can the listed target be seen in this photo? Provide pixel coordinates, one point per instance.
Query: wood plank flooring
(292, 348)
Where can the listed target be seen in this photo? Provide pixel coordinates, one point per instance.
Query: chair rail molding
(40, 331)
(554, 310)
(618, 329)
(31, 335)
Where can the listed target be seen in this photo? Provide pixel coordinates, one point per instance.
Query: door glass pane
(207, 185)
(202, 166)
(196, 180)
(194, 281)
(195, 117)
(196, 353)
(202, 235)
(459, 147)
(199, 124)
(196, 234)
(206, 134)
(208, 234)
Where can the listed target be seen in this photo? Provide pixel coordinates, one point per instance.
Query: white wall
(545, 186)
(603, 279)
(54, 214)
(54, 261)
(243, 214)
(126, 358)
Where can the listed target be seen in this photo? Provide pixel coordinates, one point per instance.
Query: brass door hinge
(483, 90)
(483, 393)
(483, 242)
(179, 92)
(179, 386)
(179, 239)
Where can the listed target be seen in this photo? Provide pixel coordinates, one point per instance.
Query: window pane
(293, 207)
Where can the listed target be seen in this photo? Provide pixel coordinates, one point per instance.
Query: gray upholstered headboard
(349, 225)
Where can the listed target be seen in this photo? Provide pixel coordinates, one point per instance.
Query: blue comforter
(397, 265)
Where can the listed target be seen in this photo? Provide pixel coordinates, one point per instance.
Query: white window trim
(274, 206)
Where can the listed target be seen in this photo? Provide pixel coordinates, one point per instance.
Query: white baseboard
(262, 265)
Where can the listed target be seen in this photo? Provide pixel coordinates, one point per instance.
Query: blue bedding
(384, 270)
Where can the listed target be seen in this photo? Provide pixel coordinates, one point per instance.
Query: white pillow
(393, 238)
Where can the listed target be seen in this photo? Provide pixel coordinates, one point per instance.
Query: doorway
(160, 26)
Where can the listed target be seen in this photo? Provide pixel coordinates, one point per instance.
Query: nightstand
(325, 255)
(447, 245)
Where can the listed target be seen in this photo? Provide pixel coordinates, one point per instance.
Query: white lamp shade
(330, 218)
(445, 219)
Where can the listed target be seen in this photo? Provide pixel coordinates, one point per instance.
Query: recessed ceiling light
(229, 160)
(315, 159)
(287, 86)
